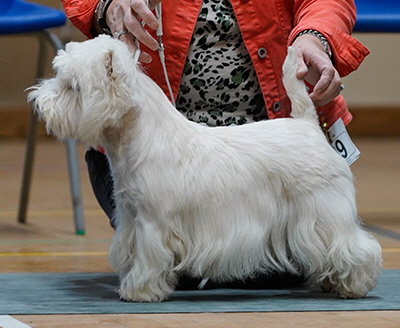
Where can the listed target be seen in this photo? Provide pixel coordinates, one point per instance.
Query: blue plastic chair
(378, 16)
(22, 17)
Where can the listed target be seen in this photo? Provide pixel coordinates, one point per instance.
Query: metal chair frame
(44, 36)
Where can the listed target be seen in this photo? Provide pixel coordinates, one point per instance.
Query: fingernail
(153, 25)
(146, 58)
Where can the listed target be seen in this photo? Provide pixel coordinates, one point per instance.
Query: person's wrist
(324, 42)
(100, 22)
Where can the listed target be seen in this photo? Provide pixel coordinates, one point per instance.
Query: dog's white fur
(223, 203)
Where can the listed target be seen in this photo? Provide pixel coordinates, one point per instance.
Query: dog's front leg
(144, 264)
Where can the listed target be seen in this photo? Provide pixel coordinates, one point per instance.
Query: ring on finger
(341, 88)
(118, 34)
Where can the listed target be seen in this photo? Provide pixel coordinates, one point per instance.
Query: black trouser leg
(102, 182)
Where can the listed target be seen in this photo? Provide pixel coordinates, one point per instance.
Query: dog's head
(92, 90)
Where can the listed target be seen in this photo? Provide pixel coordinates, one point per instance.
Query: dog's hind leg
(144, 264)
(355, 263)
(332, 247)
(354, 258)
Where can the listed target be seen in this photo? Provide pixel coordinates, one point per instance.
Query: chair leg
(31, 141)
(28, 167)
(30, 148)
(73, 165)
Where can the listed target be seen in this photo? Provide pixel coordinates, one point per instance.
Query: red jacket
(269, 25)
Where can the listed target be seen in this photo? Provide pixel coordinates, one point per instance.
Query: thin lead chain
(161, 54)
(160, 49)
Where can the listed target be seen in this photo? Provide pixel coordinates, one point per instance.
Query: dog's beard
(59, 107)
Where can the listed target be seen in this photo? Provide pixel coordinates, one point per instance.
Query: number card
(341, 142)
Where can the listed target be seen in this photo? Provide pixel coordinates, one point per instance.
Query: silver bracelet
(322, 39)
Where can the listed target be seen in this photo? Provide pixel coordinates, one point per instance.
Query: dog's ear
(105, 95)
(108, 63)
(115, 68)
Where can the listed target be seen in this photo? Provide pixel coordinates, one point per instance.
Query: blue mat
(85, 293)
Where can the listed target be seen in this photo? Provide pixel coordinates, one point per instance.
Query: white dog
(225, 202)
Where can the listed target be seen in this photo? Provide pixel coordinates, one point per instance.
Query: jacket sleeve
(335, 20)
(80, 13)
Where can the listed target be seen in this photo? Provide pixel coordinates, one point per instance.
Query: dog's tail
(302, 106)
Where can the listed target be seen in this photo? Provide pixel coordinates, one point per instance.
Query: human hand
(127, 15)
(317, 69)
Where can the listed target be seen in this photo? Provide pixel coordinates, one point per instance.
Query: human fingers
(317, 69)
(302, 69)
(129, 39)
(128, 15)
(143, 8)
(153, 3)
(125, 36)
(326, 79)
(328, 85)
(138, 16)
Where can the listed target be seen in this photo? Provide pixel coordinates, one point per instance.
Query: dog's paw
(344, 293)
(141, 297)
(347, 294)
